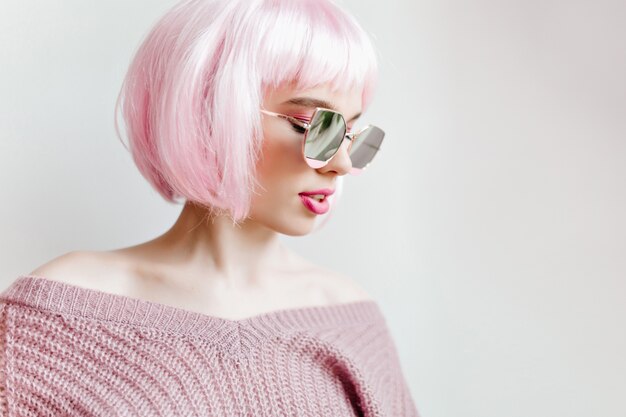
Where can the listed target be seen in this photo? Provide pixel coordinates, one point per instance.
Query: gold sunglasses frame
(351, 136)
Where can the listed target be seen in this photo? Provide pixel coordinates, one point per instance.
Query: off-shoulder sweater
(66, 350)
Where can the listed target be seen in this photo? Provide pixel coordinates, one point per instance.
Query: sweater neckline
(63, 298)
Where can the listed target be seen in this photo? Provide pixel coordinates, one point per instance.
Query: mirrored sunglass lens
(325, 135)
(366, 145)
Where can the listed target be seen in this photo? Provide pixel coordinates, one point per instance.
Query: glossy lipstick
(316, 201)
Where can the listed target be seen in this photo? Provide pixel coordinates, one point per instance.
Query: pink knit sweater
(71, 351)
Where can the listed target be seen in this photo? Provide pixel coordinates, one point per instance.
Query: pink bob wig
(191, 97)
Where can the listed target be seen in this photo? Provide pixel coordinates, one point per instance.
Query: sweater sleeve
(3, 334)
(405, 402)
(367, 359)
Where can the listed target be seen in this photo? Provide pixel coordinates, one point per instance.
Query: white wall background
(496, 238)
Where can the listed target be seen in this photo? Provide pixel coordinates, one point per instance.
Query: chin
(297, 227)
(292, 221)
(287, 219)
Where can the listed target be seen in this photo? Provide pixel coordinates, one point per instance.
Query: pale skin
(207, 264)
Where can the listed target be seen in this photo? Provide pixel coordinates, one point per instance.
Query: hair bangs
(310, 43)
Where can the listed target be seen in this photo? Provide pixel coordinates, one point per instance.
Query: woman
(245, 110)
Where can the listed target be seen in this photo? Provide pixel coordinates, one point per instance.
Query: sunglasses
(325, 133)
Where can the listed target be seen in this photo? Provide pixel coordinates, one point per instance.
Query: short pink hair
(191, 97)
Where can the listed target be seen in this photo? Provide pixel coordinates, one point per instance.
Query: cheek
(280, 160)
(278, 173)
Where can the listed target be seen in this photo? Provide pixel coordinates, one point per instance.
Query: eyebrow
(316, 102)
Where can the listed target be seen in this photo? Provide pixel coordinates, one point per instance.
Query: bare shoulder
(88, 269)
(343, 288)
(336, 287)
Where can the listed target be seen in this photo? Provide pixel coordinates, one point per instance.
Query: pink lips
(317, 207)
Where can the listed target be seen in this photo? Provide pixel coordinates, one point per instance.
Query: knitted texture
(71, 351)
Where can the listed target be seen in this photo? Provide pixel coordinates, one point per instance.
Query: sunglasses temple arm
(352, 136)
(291, 119)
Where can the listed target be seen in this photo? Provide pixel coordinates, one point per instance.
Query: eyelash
(298, 128)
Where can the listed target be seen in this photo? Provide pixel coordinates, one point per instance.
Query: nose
(340, 162)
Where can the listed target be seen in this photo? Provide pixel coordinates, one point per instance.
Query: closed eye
(297, 128)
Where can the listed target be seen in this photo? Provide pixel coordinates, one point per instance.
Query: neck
(201, 245)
